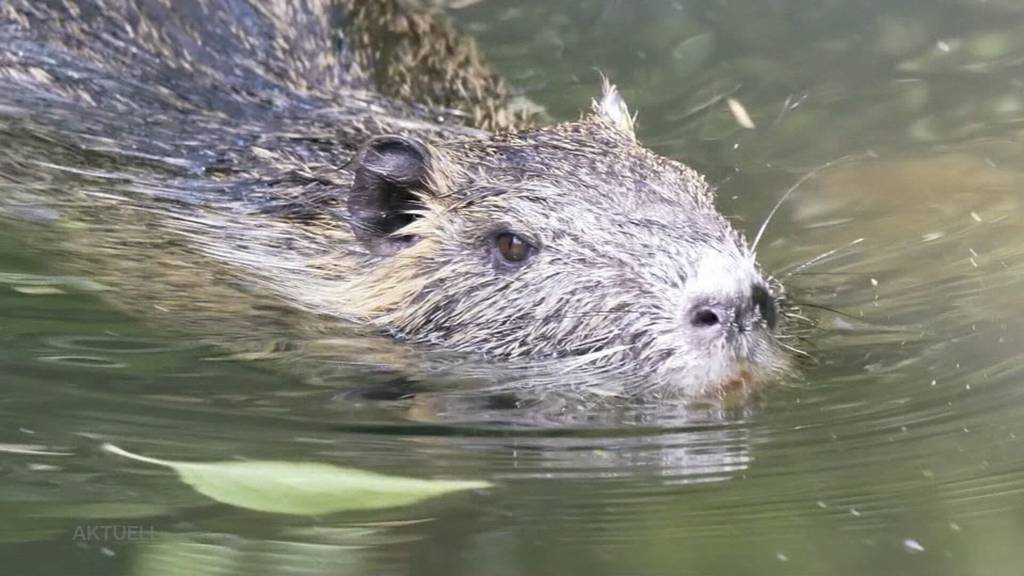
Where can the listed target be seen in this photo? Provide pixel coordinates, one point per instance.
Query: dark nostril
(704, 318)
(765, 304)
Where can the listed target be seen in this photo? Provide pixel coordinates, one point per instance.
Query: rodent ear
(613, 110)
(391, 174)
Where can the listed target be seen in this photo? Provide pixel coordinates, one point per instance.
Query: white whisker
(823, 256)
(804, 178)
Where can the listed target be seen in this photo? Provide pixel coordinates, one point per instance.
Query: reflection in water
(898, 450)
(209, 554)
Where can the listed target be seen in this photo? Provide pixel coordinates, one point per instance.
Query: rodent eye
(513, 248)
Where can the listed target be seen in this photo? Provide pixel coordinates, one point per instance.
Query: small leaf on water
(739, 112)
(303, 488)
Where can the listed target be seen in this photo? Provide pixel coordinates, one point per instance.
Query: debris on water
(874, 282)
(302, 488)
(32, 450)
(740, 114)
(781, 557)
(38, 290)
(821, 504)
(855, 513)
(36, 467)
(912, 546)
(954, 526)
(975, 216)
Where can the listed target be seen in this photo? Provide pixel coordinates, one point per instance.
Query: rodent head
(566, 241)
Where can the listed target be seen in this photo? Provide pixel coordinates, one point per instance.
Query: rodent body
(264, 136)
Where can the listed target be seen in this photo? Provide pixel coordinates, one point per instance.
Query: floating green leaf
(303, 488)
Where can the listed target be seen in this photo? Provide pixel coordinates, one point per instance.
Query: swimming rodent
(383, 182)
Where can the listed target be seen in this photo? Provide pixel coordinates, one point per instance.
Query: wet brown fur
(207, 148)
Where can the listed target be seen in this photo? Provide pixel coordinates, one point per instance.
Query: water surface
(898, 451)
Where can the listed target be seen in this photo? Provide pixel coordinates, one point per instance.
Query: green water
(899, 450)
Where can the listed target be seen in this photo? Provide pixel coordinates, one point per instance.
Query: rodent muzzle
(765, 305)
(742, 311)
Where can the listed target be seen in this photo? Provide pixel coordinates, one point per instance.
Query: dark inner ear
(389, 172)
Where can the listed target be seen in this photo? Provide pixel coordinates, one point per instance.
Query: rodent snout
(765, 305)
(738, 311)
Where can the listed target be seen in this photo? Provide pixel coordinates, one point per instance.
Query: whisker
(804, 339)
(794, 349)
(819, 258)
(797, 184)
(862, 274)
(778, 204)
(828, 309)
(798, 317)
